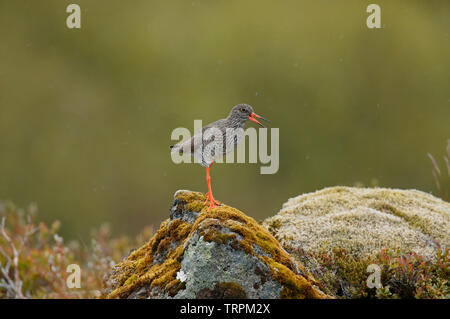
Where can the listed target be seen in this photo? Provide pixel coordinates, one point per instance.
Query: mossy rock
(338, 232)
(221, 253)
(363, 221)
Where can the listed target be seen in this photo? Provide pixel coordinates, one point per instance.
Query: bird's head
(244, 112)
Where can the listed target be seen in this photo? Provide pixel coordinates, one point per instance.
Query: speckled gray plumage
(204, 145)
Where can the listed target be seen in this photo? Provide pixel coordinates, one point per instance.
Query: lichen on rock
(220, 253)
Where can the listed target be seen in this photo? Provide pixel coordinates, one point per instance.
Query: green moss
(139, 268)
(249, 229)
(195, 206)
(294, 286)
(131, 280)
(219, 238)
(194, 201)
(274, 225)
(414, 221)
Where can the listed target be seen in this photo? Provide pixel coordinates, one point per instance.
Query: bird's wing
(210, 137)
(186, 147)
(198, 140)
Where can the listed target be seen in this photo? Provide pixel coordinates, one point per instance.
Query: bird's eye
(243, 110)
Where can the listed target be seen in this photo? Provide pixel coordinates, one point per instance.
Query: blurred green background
(86, 115)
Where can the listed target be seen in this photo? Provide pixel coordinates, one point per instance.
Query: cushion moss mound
(217, 254)
(363, 221)
(341, 233)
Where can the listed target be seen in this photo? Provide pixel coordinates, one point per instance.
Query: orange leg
(209, 196)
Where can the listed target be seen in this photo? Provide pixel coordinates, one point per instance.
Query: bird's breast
(232, 139)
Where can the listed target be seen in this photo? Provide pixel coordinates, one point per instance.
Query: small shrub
(402, 275)
(34, 258)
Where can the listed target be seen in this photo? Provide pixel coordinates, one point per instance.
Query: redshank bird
(217, 139)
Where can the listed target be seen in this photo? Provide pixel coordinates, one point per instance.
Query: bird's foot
(212, 202)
